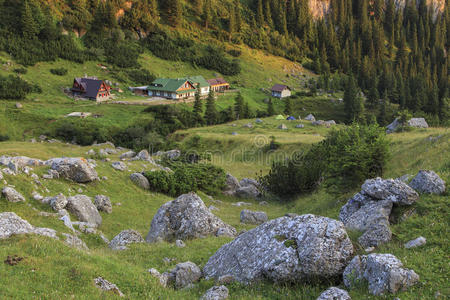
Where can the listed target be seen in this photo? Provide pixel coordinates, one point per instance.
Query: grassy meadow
(54, 271)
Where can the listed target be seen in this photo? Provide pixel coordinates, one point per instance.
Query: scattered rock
(103, 203)
(83, 208)
(119, 165)
(75, 169)
(239, 204)
(36, 196)
(428, 182)
(414, 122)
(383, 272)
(231, 185)
(128, 154)
(248, 125)
(126, 237)
(300, 126)
(253, 217)
(171, 154)
(140, 180)
(284, 250)
(58, 202)
(105, 285)
(395, 191)
(216, 293)
(184, 218)
(226, 231)
(19, 105)
(334, 293)
(420, 241)
(74, 242)
(310, 117)
(184, 275)
(143, 155)
(282, 127)
(180, 244)
(12, 195)
(91, 152)
(11, 224)
(249, 188)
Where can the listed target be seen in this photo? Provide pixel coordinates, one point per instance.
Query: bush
(187, 178)
(344, 159)
(59, 71)
(20, 71)
(13, 87)
(83, 132)
(140, 76)
(235, 53)
(4, 137)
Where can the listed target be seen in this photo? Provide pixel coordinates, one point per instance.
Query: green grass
(53, 270)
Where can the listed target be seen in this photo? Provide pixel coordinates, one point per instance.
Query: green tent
(279, 117)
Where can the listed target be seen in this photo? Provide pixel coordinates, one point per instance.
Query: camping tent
(291, 118)
(279, 117)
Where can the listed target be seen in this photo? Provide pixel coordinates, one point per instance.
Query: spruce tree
(270, 109)
(239, 107)
(29, 26)
(373, 96)
(382, 114)
(198, 105)
(247, 112)
(211, 111)
(354, 107)
(287, 106)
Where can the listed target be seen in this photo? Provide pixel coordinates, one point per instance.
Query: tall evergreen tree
(211, 111)
(354, 107)
(29, 26)
(198, 105)
(239, 107)
(270, 109)
(288, 106)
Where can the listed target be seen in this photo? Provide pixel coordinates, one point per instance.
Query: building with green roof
(178, 88)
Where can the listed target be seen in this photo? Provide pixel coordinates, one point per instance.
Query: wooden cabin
(218, 84)
(91, 88)
(281, 91)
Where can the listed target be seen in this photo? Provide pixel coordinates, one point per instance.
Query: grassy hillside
(51, 269)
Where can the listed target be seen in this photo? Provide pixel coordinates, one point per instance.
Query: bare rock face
(284, 250)
(383, 273)
(334, 293)
(216, 293)
(368, 211)
(184, 218)
(75, 169)
(253, 217)
(83, 208)
(428, 182)
(12, 195)
(140, 180)
(126, 237)
(107, 286)
(103, 203)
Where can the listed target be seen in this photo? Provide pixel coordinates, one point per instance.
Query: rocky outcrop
(83, 208)
(184, 218)
(140, 180)
(12, 195)
(253, 217)
(75, 169)
(428, 182)
(368, 211)
(334, 293)
(126, 237)
(103, 203)
(107, 286)
(216, 293)
(11, 224)
(414, 122)
(284, 250)
(18, 163)
(383, 273)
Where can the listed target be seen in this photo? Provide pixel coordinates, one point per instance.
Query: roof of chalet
(91, 85)
(280, 87)
(217, 81)
(198, 80)
(169, 85)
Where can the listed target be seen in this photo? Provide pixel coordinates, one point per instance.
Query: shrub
(187, 178)
(4, 137)
(13, 87)
(83, 132)
(345, 159)
(234, 52)
(20, 71)
(140, 76)
(59, 71)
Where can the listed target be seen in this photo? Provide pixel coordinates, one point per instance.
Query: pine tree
(382, 114)
(211, 111)
(29, 26)
(198, 105)
(354, 107)
(239, 107)
(259, 14)
(373, 97)
(247, 112)
(287, 106)
(270, 109)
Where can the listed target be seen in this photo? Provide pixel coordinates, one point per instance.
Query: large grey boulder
(128, 154)
(18, 163)
(119, 165)
(107, 286)
(140, 180)
(184, 218)
(310, 117)
(103, 203)
(143, 155)
(12, 195)
(428, 182)
(75, 169)
(393, 190)
(253, 217)
(231, 185)
(11, 224)
(126, 237)
(249, 188)
(284, 250)
(417, 123)
(420, 241)
(383, 273)
(58, 202)
(391, 128)
(216, 293)
(83, 208)
(334, 293)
